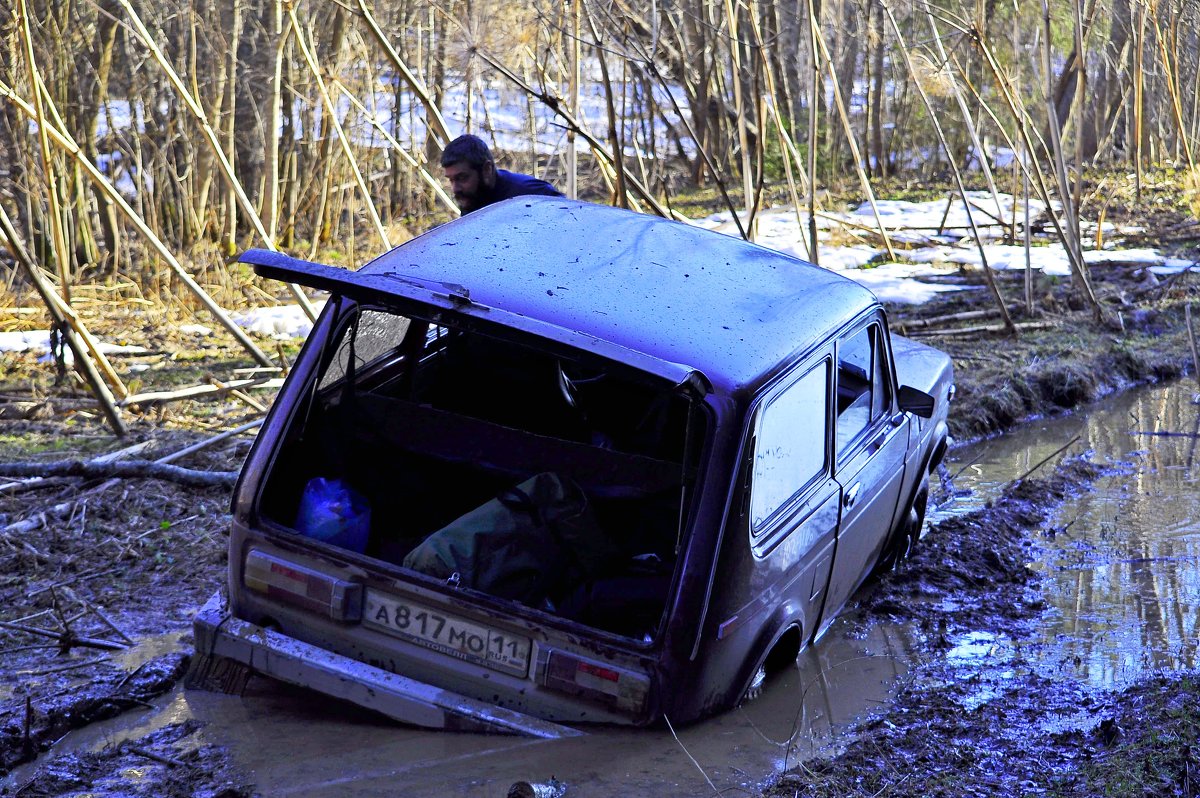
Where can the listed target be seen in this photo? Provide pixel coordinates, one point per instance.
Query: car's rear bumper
(274, 654)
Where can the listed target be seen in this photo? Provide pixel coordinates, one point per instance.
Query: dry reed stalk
(270, 198)
(225, 168)
(58, 240)
(648, 63)
(421, 171)
(749, 200)
(1022, 116)
(1171, 75)
(1072, 241)
(434, 118)
(972, 130)
(83, 346)
(618, 160)
(848, 129)
(573, 87)
(987, 270)
(814, 90)
(311, 59)
(605, 158)
(63, 141)
(1139, 89)
(791, 156)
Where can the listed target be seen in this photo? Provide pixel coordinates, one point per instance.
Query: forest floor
(95, 574)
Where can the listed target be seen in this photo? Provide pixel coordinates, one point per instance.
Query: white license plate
(447, 633)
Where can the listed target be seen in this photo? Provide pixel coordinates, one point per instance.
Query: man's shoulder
(514, 184)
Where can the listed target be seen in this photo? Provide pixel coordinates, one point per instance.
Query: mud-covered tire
(755, 688)
(906, 534)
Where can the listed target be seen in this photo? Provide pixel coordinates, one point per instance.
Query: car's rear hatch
(487, 503)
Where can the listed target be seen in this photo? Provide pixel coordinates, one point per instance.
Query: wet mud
(969, 572)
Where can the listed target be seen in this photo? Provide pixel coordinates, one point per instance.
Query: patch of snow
(282, 322)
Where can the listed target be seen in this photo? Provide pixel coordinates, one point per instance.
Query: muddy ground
(86, 566)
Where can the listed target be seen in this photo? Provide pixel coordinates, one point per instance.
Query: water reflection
(1120, 561)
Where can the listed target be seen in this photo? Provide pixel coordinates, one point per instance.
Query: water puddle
(1120, 561)
(1121, 582)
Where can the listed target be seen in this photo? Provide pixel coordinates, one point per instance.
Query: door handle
(851, 496)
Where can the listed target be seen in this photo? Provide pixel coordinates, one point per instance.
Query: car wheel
(906, 535)
(756, 685)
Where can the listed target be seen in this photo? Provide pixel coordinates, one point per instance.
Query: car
(556, 463)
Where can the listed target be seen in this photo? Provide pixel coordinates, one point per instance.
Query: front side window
(789, 444)
(863, 391)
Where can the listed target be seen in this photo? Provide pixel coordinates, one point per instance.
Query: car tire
(904, 538)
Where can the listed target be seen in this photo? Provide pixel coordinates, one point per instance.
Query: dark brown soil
(968, 572)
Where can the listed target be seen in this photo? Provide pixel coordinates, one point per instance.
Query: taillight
(600, 682)
(303, 587)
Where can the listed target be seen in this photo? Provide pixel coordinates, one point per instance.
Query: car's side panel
(871, 456)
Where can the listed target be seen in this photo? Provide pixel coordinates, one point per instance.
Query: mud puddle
(1119, 579)
(290, 742)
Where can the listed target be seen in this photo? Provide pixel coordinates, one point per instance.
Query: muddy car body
(735, 437)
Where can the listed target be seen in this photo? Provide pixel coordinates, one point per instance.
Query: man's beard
(466, 202)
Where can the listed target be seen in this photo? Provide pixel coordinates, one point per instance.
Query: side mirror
(916, 401)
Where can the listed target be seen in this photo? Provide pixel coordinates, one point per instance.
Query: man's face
(467, 183)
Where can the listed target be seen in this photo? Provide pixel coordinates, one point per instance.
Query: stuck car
(556, 463)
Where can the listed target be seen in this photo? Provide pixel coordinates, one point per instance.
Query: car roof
(676, 292)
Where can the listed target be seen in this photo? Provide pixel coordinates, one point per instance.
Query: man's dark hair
(469, 149)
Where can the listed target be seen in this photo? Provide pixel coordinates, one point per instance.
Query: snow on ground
(39, 341)
(930, 241)
(282, 322)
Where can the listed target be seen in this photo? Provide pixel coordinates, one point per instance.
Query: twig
(96, 611)
(1046, 459)
(69, 580)
(66, 640)
(166, 760)
(127, 469)
(689, 756)
(64, 668)
(128, 676)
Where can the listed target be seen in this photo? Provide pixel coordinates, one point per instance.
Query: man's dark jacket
(515, 184)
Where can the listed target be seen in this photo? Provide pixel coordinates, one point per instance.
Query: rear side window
(379, 333)
(789, 444)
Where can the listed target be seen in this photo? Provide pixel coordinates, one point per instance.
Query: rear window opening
(554, 480)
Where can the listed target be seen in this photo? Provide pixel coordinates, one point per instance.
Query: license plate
(447, 633)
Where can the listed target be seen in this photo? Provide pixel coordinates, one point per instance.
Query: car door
(871, 439)
(793, 497)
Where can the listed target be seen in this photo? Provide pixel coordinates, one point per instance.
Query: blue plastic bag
(333, 512)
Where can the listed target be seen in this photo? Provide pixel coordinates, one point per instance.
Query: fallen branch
(967, 315)
(124, 469)
(1032, 325)
(66, 639)
(64, 668)
(148, 754)
(204, 444)
(13, 534)
(196, 391)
